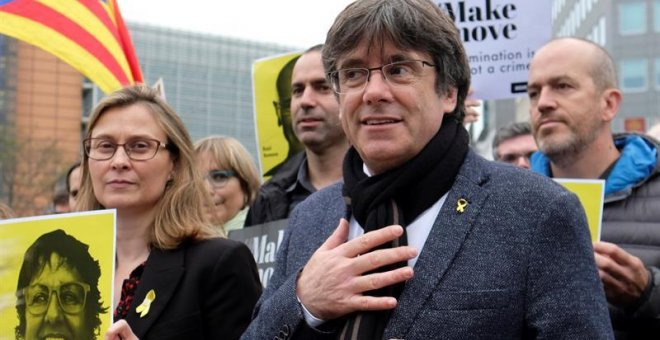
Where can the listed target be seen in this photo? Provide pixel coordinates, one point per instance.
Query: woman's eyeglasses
(141, 149)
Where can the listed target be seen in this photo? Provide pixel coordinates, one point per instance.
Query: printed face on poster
(500, 38)
(272, 111)
(56, 275)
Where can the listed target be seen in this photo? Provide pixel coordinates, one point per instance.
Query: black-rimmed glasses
(397, 73)
(70, 296)
(219, 178)
(140, 149)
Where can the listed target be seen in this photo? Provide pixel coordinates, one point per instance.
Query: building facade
(45, 104)
(40, 124)
(207, 78)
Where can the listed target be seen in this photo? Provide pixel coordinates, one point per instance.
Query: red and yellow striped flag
(90, 35)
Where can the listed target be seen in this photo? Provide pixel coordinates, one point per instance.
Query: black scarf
(398, 196)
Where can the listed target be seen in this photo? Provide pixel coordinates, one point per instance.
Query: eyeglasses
(141, 149)
(397, 73)
(70, 296)
(514, 157)
(219, 178)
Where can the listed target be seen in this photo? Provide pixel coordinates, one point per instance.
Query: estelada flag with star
(90, 35)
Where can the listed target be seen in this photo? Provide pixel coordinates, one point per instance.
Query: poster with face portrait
(56, 275)
(271, 78)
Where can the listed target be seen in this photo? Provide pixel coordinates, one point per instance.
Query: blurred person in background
(60, 202)
(232, 178)
(174, 277)
(73, 177)
(514, 144)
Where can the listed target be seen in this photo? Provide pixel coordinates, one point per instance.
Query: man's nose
(523, 162)
(546, 100)
(376, 87)
(308, 98)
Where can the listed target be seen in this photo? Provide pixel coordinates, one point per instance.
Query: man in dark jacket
(424, 239)
(315, 122)
(574, 98)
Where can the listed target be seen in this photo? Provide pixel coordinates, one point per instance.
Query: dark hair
(68, 176)
(418, 25)
(511, 130)
(74, 255)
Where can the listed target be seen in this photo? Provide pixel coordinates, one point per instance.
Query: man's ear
(611, 101)
(450, 99)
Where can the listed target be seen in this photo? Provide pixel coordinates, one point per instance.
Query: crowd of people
(396, 228)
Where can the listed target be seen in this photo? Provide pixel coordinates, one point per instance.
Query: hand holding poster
(500, 38)
(57, 266)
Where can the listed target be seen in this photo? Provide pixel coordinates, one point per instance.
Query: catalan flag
(90, 35)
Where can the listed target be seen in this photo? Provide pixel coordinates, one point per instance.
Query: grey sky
(296, 23)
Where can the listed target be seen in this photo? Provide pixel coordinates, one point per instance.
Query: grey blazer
(516, 264)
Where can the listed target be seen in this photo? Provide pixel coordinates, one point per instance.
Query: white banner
(500, 38)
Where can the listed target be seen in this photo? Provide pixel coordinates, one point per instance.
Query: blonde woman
(174, 278)
(232, 179)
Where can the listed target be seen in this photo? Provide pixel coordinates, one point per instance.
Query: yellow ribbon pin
(461, 205)
(143, 308)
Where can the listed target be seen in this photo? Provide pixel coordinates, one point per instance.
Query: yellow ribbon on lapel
(143, 308)
(461, 205)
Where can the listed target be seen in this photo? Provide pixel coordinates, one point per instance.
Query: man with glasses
(424, 239)
(514, 144)
(57, 293)
(314, 118)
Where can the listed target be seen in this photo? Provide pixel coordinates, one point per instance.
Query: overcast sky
(296, 23)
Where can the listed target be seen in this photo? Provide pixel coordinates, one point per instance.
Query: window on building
(657, 73)
(634, 75)
(656, 15)
(632, 17)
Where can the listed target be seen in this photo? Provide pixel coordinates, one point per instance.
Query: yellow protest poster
(276, 142)
(591, 193)
(56, 275)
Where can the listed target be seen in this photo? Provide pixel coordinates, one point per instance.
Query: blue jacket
(631, 219)
(516, 264)
(638, 161)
